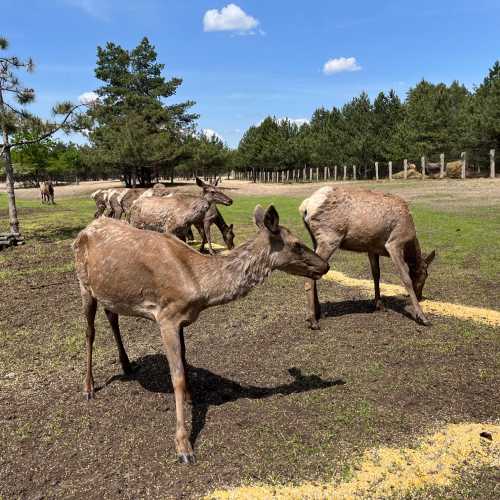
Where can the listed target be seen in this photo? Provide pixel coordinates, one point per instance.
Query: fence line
(441, 169)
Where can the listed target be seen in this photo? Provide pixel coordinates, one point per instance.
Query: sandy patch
(384, 472)
(486, 316)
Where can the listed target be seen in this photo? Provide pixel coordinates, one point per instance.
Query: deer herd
(143, 267)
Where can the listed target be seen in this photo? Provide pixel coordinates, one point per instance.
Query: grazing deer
(371, 222)
(175, 213)
(47, 192)
(213, 216)
(100, 198)
(158, 277)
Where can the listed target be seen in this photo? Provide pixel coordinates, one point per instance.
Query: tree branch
(47, 134)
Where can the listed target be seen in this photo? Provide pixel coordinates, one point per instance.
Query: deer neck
(199, 207)
(413, 257)
(229, 277)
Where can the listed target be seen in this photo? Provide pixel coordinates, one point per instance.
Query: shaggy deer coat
(371, 222)
(158, 277)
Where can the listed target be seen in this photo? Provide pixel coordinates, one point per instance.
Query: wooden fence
(352, 172)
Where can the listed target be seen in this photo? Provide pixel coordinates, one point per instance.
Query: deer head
(422, 273)
(228, 235)
(212, 194)
(288, 253)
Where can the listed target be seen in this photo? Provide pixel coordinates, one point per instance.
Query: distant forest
(133, 133)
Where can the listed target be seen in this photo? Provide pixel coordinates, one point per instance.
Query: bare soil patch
(273, 401)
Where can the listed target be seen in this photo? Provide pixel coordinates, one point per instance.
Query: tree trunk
(11, 197)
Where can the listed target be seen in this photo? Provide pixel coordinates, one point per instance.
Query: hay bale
(413, 173)
(454, 169)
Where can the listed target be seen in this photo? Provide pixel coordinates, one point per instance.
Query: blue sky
(260, 57)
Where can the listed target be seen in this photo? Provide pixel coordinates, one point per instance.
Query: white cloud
(340, 64)
(209, 134)
(88, 98)
(229, 18)
(95, 8)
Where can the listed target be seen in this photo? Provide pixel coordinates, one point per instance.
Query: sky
(246, 60)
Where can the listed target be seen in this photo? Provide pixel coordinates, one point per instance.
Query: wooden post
(354, 172)
(405, 166)
(390, 170)
(422, 164)
(463, 156)
(311, 174)
(324, 173)
(305, 174)
(376, 170)
(441, 165)
(317, 174)
(335, 173)
(492, 163)
(345, 172)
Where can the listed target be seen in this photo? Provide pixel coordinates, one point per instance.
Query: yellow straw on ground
(386, 472)
(488, 317)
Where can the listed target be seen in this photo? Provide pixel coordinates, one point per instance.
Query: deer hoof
(379, 306)
(187, 458)
(89, 395)
(313, 324)
(422, 320)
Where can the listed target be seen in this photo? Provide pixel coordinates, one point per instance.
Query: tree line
(432, 119)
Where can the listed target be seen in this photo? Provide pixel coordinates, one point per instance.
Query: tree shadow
(364, 306)
(209, 389)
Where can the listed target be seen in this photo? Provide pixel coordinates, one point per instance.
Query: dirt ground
(273, 401)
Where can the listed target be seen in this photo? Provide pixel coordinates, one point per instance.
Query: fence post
(335, 173)
(345, 172)
(463, 156)
(390, 170)
(324, 173)
(310, 174)
(422, 164)
(317, 174)
(441, 165)
(376, 170)
(354, 172)
(405, 166)
(492, 163)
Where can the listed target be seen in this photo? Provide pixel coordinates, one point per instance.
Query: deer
(176, 212)
(100, 198)
(157, 276)
(47, 192)
(213, 216)
(371, 222)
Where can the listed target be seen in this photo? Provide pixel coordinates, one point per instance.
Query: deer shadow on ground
(209, 389)
(364, 306)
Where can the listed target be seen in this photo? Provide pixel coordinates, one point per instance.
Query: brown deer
(100, 198)
(158, 277)
(47, 192)
(371, 222)
(213, 216)
(176, 212)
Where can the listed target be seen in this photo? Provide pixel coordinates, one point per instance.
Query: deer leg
(171, 337)
(396, 253)
(89, 309)
(187, 392)
(375, 266)
(122, 353)
(313, 306)
(208, 236)
(201, 232)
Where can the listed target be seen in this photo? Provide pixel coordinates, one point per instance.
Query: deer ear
(430, 257)
(200, 182)
(258, 216)
(272, 219)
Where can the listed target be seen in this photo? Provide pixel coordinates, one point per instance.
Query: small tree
(14, 119)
